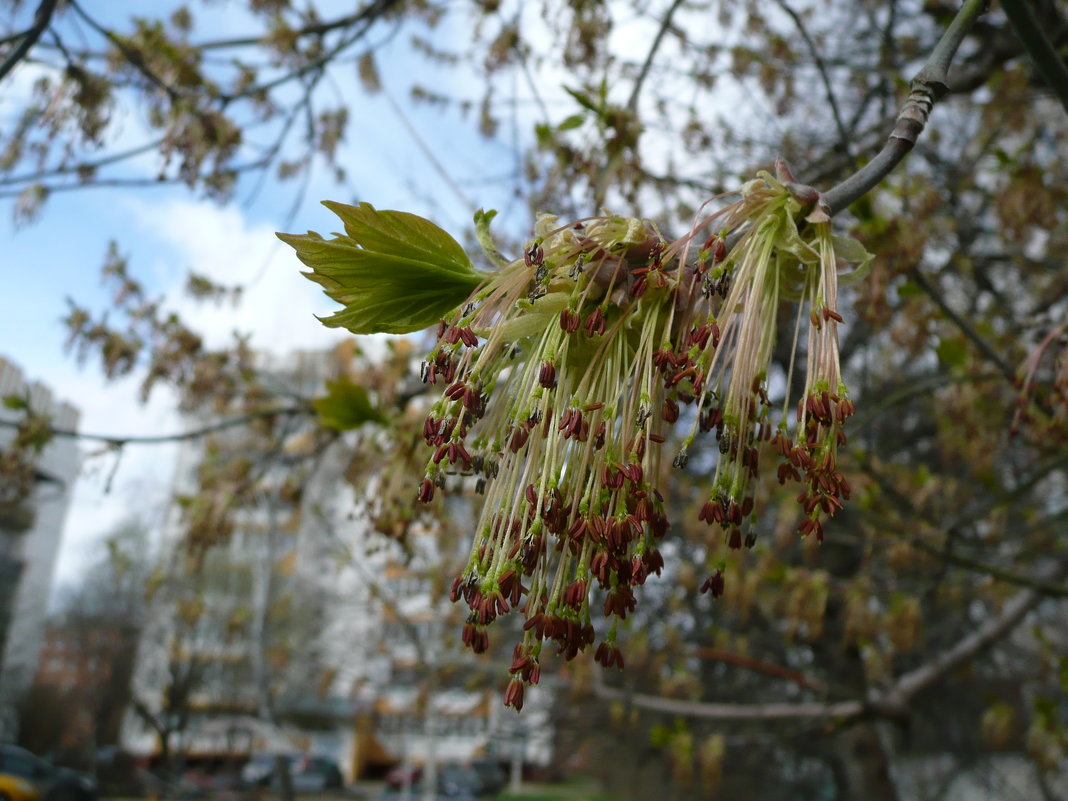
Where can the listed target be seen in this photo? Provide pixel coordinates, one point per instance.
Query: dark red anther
(468, 337)
(653, 561)
(594, 325)
(664, 360)
(639, 287)
(575, 594)
(707, 512)
(611, 477)
(714, 584)
(699, 336)
(570, 321)
(670, 411)
(426, 491)
(689, 372)
(547, 375)
(715, 333)
(734, 513)
(519, 439)
(633, 471)
(513, 696)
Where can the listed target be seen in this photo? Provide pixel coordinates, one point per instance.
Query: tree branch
(891, 703)
(1041, 586)
(81, 167)
(739, 712)
(965, 327)
(41, 18)
(368, 15)
(1032, 36)
(643, 73)
(915, 681)
(821, 67)
(925, 90)
(760, 666)
(156, 439)
(131, 55)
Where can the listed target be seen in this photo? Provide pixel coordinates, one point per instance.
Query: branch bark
(926, 89)
(891, 703)
(41, 18)
(1032, 36)
(157, 439)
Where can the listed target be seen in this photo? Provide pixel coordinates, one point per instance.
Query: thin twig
(82, 166)
(41, 18)
(821, 67)
(965, 327)
(427, 151)
(1032, 36)
(926, 89)
(132, 56)
(643, 73)
(157, 439)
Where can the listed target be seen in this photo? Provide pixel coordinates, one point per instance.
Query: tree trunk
(864, 769)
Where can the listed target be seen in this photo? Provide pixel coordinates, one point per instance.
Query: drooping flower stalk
(562, 375)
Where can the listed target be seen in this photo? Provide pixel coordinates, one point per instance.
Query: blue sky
(166, 231)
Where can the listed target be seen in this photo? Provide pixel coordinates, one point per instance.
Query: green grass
(578, 789)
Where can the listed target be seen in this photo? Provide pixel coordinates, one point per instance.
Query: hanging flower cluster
(563, 373)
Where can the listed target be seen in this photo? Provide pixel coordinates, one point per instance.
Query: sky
(167, 231)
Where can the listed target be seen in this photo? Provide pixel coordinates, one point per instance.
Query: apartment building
(31, 529)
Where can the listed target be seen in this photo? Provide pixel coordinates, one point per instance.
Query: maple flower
(554, 399)
(563, 373)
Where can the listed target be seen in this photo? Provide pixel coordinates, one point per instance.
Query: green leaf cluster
(393, 272)
(345, 406)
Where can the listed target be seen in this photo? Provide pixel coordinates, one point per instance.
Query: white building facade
(30, 541)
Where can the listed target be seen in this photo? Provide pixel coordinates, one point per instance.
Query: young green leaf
(392, 271)
(482, 234)
(345, 406)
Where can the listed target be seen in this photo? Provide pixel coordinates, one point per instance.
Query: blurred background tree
(927, 633)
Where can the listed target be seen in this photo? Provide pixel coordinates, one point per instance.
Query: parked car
(456, 782)
(491, 774)
(308, 774)
(445, 792)
(26, 777)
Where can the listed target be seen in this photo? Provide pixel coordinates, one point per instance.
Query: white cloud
(278, 305)
(113, 487)
(277, 310)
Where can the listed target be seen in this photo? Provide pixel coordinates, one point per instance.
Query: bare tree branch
(156, 439)
(740, 712)
(41, 18)
(1032, 36)
(965, 327)
(643, 73)
(130, 54)
(821, 67)
(994, 629)
(891, 703)
(929, 85)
